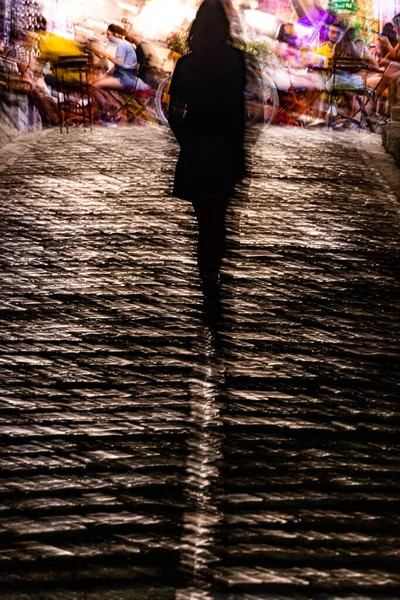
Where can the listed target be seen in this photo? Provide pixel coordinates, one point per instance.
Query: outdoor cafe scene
(334, 63)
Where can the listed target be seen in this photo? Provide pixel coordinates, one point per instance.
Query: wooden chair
(137, 106)
(73, 76)
(347, 78)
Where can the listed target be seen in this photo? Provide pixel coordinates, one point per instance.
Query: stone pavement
(145, 456)
(391, 134)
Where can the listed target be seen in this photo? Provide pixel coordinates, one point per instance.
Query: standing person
(207, 117)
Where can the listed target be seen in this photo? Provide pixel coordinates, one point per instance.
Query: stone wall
(391, 134)
(17, 115)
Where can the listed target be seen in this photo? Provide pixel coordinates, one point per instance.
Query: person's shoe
(212, 308)
(316, 123)
(107, 123)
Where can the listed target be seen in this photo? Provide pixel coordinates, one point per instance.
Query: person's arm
(116, 60)
(254, 91)
(253, 99)
(139, 57)
(22, 68)
(177, 105)
(394, 54)
(385, 45)
(23, 60)
(371, 63)
(120, 55)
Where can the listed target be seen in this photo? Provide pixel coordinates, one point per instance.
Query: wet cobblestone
(146, 456)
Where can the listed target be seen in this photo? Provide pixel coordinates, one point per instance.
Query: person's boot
(212, 307)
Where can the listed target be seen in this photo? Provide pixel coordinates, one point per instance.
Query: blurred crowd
(307, 68)
(123, 62)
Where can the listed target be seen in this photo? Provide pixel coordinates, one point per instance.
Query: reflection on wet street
(147, 456)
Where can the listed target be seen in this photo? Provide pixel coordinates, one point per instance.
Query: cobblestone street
(145, 456)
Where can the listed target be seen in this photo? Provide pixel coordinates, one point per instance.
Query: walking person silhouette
(207, 116)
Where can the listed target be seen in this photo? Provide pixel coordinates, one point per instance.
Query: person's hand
(385, 44)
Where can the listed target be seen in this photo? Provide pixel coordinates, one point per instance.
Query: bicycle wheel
(262, 103)
(162, 100)
(270, 100)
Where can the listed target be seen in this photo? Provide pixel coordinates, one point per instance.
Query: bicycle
(136, 107)
(150, 107)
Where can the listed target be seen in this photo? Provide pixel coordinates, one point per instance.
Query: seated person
(349, 80)
(52, 47)
(391, 63)
(348, 48)
(123, 75)
(19, 52)
(372, 64)
(389, 32)
(31, 70)
(286, 48)
(326, 50)
(378, 50)
(291, 68)
(362, 47)
(99, 63)
(148, 60)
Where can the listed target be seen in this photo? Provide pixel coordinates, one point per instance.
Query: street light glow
(160, 17)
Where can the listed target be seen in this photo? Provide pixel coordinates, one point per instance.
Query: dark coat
(207, 116)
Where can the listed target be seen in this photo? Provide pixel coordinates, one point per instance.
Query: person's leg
(108, 83)
(107, 101)
(386, 95)
(322, 105)
(44, 102)
(100, 94)
(46, 106)
(391, 74)
(100, 100)
(392, 94)
(373, 80)
(210, 216)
